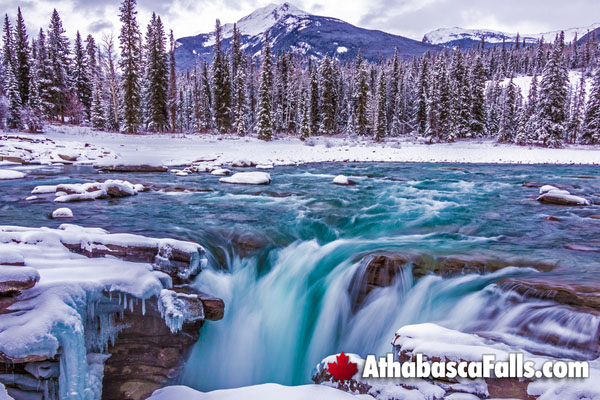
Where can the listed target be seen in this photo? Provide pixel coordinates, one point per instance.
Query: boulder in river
(248, 178)
(131, 168)
(63, 212)
(343, 180)
(552, 195)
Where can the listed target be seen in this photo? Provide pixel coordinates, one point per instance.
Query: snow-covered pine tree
(381, 124)
(264, 122)
(239, 93)
(304, 115)
(111, 111)
(361, 96)
(527, 131)
(130, 64)
(328, 100)
(22, 58)
(172, 99)
(422, 90)
(433, 129)
(314, 99)
(510, 113)
(394, 81)
(59, 55)
(461, 101)
(156, 86)
(553, 99)
(478, 111)
(13, 114)
(591, 123)
(81, 76)
(577, 111)
(221, 84)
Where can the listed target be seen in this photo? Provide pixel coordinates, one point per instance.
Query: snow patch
(6, 174)
(62, 213)
(248, 178)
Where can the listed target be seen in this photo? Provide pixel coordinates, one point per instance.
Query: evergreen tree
(304, 115)
(328, 101)
(422, 89)
(381, 122)
(478, 111)
(461, 101)
(314, 99)
(156, 85)
(577, 111)
(361, 96)
(172, 103)
(553, 98)
(222, 84)
(591, 123)
(22, 58)
(241, 109)
(59, 55)
(510, 113)
(13, 116)
(528, 127)
(130, 64)
(81, 75)
(265, 97)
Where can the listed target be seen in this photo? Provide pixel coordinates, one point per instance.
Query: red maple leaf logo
(342, 369)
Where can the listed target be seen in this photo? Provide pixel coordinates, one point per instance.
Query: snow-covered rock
(43, 189)
(73, 192)
(248, 178)
(221, 172)
(15, 279)
(66, 280)
(6, 174)
(62, 213)
(547, 188)
(563, 198)
(29, 198)
(243, 163)
(264, 166)
(179, 308)
(343, 181)
(267, 391)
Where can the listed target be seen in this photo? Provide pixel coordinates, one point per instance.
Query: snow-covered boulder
(563, 198)
(248, 178)
(264, 166)
(221, 172)
(62, 213)
(181, 173)
(243, 163)
(72, 192)
(16, 279)
(6, 174)
(343, 180)
(179, 308)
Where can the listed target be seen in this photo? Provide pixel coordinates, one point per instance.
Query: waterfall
(289, 309)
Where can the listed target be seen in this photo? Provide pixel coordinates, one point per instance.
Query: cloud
(411, 18)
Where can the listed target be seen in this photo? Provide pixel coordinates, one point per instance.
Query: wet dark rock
(381, 270)
(561, 292)
(582, 247)
(131, 168)
(214, 308)
(530, 184)
(553, 219)
(67, 157)
(146, 354)
(561, 199)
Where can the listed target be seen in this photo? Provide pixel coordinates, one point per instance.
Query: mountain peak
(264, 18)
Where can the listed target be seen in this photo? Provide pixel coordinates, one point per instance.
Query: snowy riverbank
(178, 149)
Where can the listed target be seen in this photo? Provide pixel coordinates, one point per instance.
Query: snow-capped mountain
(292, 29)
(452, 37)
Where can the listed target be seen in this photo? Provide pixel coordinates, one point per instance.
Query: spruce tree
(172, 102)
(381, 122)
(361, 96)
(22, 58)
(314, 99)
(478, 111)
(553, 98)
(222, 84)
(130, 64)
(328, 101)
(591, 123)
(265, 98)
(156, 87)
(528, 127)
(304, 115)
(510, 113)
(577, 111)
(13, 115)
(422, 90)
(81, 75)
(241, 108)
(59, 56)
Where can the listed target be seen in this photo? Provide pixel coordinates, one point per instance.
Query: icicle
(130, 305)
(143, 307)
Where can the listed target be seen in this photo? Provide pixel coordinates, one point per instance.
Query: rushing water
(283, 257)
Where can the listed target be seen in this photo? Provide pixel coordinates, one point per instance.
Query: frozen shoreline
(180, 149)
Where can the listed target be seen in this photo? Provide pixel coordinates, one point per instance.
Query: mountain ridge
(300, 32)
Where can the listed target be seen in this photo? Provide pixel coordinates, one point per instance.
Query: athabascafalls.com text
(515, 367)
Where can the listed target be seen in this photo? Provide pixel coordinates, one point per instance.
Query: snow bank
(72, 192)
(215, 150)
(62, 213)
(268, 391)
(38, 149)
(221, 172)
(6, 174)
(248, 178)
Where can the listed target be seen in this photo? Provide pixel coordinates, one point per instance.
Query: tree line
(444, 96)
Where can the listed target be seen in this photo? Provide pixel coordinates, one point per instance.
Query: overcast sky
(411, 18)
